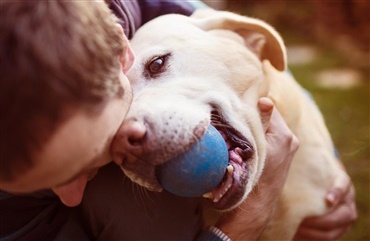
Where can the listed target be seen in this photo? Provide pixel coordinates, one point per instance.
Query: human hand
(248, 221)
(332, 225)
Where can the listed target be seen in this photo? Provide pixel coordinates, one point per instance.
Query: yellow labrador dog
(211, 69)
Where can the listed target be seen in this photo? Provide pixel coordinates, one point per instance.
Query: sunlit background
(328, 53)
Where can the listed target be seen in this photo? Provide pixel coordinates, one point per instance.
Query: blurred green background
(328, 53)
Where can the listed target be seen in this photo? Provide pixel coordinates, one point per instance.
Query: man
(63, 97)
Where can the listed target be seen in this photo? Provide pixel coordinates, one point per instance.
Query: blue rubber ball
(199, 170)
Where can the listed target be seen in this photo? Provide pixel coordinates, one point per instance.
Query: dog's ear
(258, 36)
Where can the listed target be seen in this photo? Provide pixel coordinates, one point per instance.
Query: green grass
(346, 113)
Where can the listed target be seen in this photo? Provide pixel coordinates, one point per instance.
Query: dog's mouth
(233, 186)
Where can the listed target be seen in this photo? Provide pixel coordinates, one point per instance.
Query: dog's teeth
(230, 169)
(215, 200)
(208, 195)
(225, 186)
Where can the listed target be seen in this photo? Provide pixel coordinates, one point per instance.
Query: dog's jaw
(232, 190)
(140, 163)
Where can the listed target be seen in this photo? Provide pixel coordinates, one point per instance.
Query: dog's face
(190, 73)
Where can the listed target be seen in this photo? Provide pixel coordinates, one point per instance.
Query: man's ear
(258, 36)
(128, 56)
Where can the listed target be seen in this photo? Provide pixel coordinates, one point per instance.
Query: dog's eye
(156, 66)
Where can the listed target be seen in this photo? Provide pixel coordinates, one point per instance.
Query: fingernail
(265, 104)
(331, 199)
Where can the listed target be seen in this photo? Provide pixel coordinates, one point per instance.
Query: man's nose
(71, 193)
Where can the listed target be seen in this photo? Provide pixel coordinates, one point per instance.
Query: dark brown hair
(54, 55)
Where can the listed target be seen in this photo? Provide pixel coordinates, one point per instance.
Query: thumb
(266, 107)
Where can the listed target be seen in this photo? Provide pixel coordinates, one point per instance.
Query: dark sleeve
(133, 14)
(36, 216)
(212, 234)
(153, 8)
(129, 15)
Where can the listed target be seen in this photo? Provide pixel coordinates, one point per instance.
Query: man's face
(76, 149)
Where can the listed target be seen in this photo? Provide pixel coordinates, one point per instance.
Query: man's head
(63, 92)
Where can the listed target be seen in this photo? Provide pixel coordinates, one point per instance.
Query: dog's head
(191, 72)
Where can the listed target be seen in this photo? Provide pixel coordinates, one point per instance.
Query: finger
(305, 234)
(278, 125)
(275, 125)
(278, 130)
(338, 189)
(343, 216)
(266, 107)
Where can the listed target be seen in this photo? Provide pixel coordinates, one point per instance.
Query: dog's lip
(238, 179)
(232, 188)
(234, 139)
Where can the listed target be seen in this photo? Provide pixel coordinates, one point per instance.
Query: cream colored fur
(222, 60)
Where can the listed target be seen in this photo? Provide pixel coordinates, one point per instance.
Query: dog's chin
(232, 190)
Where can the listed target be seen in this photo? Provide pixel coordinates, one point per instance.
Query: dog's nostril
(135, 142)
(135, 133)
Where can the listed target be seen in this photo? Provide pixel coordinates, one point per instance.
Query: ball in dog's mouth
(198, 170)
(183, 176)
(231, 190)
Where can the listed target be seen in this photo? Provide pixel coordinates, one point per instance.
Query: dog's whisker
(145, 193)
(145, 196)
(141, 195)
(221, 125)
